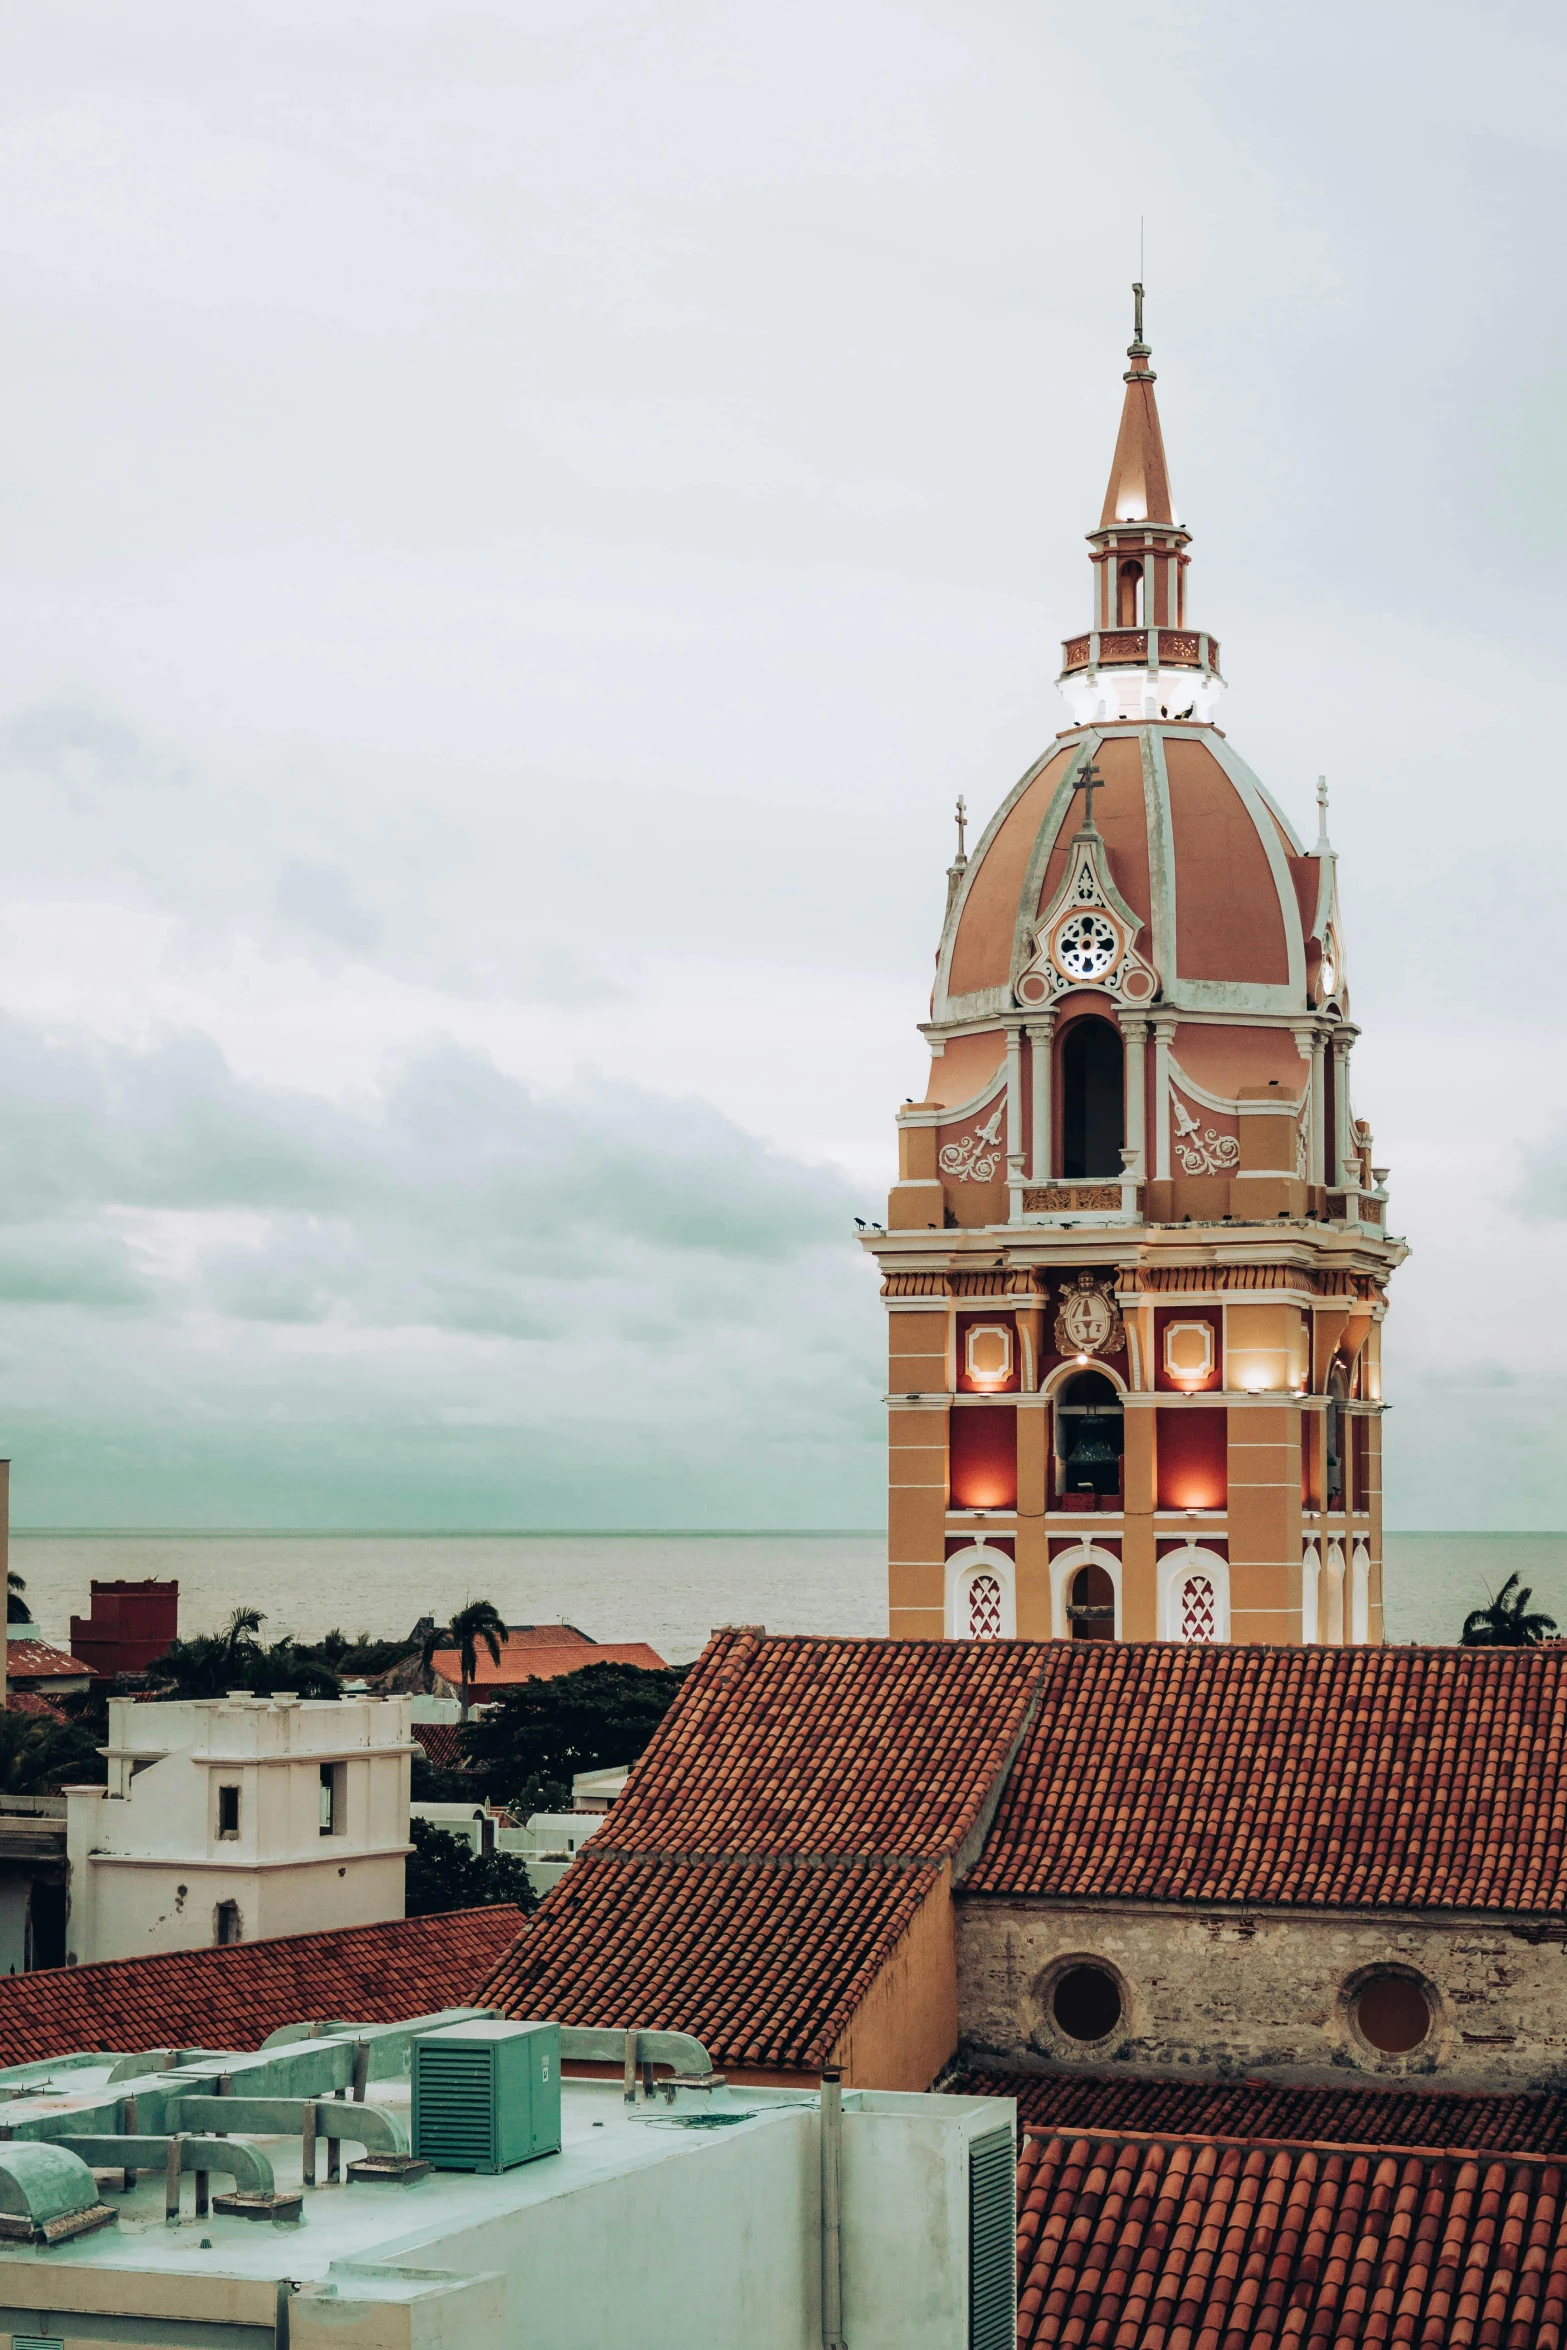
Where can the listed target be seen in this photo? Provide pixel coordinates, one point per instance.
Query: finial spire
(1137, 316)
(1324, 847)
(961, 813)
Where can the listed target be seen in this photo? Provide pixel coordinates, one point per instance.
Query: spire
(1139, 486)
(1324, 847)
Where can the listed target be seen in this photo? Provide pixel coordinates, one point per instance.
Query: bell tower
(1136, 1258)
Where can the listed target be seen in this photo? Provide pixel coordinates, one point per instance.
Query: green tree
(16, 1607)
(443, 1872)
(525, 1751)
(39, 1756)
(478, 1624)
(215, 1662)
(1507, 1622)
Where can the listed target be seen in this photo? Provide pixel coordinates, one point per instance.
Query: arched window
(1129, 597)
(1090, 1605)
(1194, 1595)
(1090, 1435)
(1335, 1433)
(1310, 1578)
(1093, 1105)
(984, 1608)
(1360, 1595)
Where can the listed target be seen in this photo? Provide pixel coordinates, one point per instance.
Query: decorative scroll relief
(1302, 1161)
(1201, 1151)
(1067, 1199)
(974, 1158)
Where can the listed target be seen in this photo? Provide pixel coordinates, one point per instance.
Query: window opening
(332, 1798)
(1090, 1436)
(1334, 1420)
(226, 1923)
(1129, 608)
(1393, 2013)
(228, 1811)
(1093, 1106)
(1199, 1612)
(984, 1608)
(1091, 1604)
(1087, 2003)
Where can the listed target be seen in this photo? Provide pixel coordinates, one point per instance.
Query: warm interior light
(1082, 1358)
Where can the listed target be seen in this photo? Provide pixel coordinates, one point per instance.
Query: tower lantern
(1136, 1257)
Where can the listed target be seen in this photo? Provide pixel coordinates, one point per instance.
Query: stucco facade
(1226, 1991)
(231, 1818)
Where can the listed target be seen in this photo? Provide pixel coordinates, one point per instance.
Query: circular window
(1086, 2003)
(1393, 2013)
(1086, 946)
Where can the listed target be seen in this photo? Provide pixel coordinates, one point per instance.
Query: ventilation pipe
(832, 2209)
(47, 2193)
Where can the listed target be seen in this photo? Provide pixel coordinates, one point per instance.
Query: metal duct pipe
(47, 2193)
(245, 2164)
(832, 2209)
(369, 2126)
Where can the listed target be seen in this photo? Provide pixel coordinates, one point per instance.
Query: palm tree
(1507, 1621)
(479, 1622)
(17, 1610)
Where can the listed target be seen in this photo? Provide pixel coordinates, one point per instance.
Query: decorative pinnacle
(1137, 349)
(961, 813)
(1324, 847)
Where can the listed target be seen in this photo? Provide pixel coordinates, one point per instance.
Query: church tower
(1136, 1257)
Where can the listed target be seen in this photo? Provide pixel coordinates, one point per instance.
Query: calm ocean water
(669, 1589)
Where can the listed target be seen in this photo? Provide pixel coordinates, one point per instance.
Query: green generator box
(486, 2096)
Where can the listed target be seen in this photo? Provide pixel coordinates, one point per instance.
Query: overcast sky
(516, 521)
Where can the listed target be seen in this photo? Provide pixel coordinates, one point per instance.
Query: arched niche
(981, 1594)
(1194, 1595)
(1065, 1570)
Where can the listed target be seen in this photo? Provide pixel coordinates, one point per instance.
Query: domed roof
(1231, 911)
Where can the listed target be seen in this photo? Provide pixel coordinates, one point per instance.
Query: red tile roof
(36, 1660)
(233, 1997)
(525, 1658)
(1527, 2122)
(439, 1740)
(1363, 1777)
(1196, 2243)
(28, 1701)
(774, 1842)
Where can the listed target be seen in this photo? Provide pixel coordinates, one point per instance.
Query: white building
(229, 1818)
(693, 2217)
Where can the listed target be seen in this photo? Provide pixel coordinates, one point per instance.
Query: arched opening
(1090, 1604)
(1129, 596)
(1087, 2003)
(1090, 1436)
(1393, 2013)
(984, 1608)
(1330, 1599)
(1093, 1103)
(1334, 1418)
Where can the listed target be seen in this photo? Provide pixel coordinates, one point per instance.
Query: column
(1317, 1116)
(1134, 1034)
(1163, 1026)
(1345, 1172)
(1042, 1075)
(1015, 1123)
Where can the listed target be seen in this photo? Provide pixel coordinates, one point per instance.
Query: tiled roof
(1175, 2244)
(439, 1740)
(28, 1701)
(233, 1997)
(524, 1658)
(1527, 2122)
(1359, 1777)
(774, 1842)
(28, 1660)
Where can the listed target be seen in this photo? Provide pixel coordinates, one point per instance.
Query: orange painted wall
(906, 2026)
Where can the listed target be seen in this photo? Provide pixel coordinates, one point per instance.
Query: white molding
(1310, 1577)
(1174, 1567)
(1360, 1595)
(1064, 1566)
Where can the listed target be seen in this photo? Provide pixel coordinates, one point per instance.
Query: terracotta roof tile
(1168, 2244)
(234, 1996)
(439, 1740)
(1526, 2122)
(525, 1657)
(1362, 1777)
(775, 1841)
(27, 1660)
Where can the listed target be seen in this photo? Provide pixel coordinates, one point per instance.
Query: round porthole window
(1393, 2013)
(1086, 2003)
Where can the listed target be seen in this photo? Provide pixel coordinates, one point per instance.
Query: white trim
(1360, 1595)
(1331, 1609)
(1174, 1568)
(1310, 1576)
(1073, 1369)
(962, 1567)
(1064, 1566)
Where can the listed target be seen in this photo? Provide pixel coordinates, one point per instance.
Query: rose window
(1087, 946)
(984, 1608)
(1197, 1609)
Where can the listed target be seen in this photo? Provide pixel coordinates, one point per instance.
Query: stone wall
(1224, 1991)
